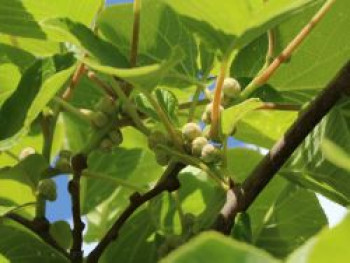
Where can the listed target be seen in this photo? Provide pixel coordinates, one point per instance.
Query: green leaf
(264, 127)
(18, 57)
(28, 15)
(247, 19)
(22, 246)
(28, 171)
(144, 78)
(313, 64)
(308, 165)
(37, 86)
(167, 101)
(61, 232)
(273, 213)
(161, 30)
(336, 155)
(330, 245)
(209, 247)
(136, 166)
(136, 243)
(234, 114)
(279, 234)
(10, 75)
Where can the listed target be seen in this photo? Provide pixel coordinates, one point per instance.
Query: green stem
(71, 109)
(194, 103)
(165, 120)
(130, 108)
(117, 181)
(180, 210)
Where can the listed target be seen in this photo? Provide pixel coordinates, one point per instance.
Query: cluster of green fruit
(105, 109)
(194, 142)
(231, 90)
(47, 190)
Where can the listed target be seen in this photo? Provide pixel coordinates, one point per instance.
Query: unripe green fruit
(162, 158)
(156, 138)
(197, 145)
(61, 232)
(26, 152)
(191, 131)
(99, 119)
(63, 165)
(106, 105)
(47, 189)
(231, 88)
(106, 144)
(116, 136)
(210, 154)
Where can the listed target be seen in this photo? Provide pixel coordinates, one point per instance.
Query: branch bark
(169, 183)
(282, 150)
(79, 163)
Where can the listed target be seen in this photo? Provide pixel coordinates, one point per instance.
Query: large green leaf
(136, 242)
(232, 24)
(336, 155)
(22, 246)
(133, 165)
(211, 247)
(328, 246)
(274, 212)
(309, 167)
(19, 57)
(313, 64)
(23, 17)
(38, 85)
(280, 234)
(161, 30)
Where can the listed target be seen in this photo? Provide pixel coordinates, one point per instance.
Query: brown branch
(284, 148)
(79, 163)
(262, 78)
(169, 183)
(79, 72)
(40, 228)
(106, 88)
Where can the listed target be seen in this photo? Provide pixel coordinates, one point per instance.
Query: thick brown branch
(285, 147)
(169, 183)
(41, 229)
(79, 163)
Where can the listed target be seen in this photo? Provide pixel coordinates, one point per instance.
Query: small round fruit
(231, 88)
(191, 131)
(106, 105)
(156, 138)
(61, 232)
(99, 119)
(106, 144)
(26, 152)
(198, 144)
(116, 136)
(210, 154)
(47, 189)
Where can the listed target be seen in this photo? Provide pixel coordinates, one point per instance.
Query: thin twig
(283, 149)
(287, 52)
(169, 183)
(79, 163)
(106, 88)
(79, 72)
